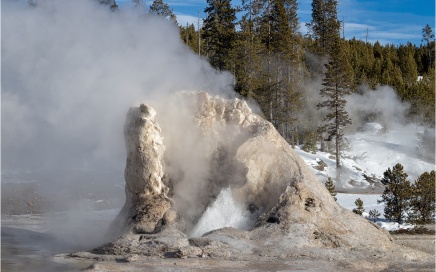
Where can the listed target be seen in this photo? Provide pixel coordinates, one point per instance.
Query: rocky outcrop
(147, 206)
(272, 179)
(235, 148)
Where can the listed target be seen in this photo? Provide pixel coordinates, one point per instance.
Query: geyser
(146, 200)
(241, 158)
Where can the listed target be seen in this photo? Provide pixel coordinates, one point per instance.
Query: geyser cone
(146, 200)
(214, 144)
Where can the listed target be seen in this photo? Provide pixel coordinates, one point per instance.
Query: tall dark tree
(337, 85)
(219, 33)
(428, 37)
(324, 25)
(160, 8)
(397, 193)
(276, 27)
(248, 66)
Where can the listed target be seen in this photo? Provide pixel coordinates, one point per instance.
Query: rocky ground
(299, 226)
(297, 263)
(412, 252)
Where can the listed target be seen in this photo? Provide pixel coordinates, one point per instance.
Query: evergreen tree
(397, 193)
(158, 7)
(279, 88)
(248, 66)
(219, 33)
(324, 26)
(190, 37)
(331, 187)
(423, 200)
(428, 37)
(374, 214)
(359, 207)
(337, 84)
(407, 63)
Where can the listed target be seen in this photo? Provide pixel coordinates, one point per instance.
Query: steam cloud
(71, 70)
(382, 105)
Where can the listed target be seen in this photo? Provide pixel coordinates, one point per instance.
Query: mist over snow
(379, 137)
(71, 70)
(380, 105)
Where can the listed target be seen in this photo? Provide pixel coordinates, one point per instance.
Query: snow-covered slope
(370, 152)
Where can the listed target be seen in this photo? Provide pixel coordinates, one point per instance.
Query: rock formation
(147, 205)
(296, 215)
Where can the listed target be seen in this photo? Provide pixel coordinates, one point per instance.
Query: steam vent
(291, 212)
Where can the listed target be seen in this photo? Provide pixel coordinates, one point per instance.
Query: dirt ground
(421, 242)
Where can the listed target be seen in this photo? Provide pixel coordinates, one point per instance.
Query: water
(223, 212)
(25, 250)
(30, 242)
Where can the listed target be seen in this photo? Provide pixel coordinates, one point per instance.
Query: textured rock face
(234, 148)
(250, 156)
(146, 200)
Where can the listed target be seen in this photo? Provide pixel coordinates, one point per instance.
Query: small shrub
(359, 207)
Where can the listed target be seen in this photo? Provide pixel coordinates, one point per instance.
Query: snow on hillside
(371, 151)
(370, 203)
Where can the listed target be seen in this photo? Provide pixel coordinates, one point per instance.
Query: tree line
(404, 201)
(274, 64)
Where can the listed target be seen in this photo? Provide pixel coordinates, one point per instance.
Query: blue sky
(387, 21)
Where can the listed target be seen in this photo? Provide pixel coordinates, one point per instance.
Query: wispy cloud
(387, 21)
(184, 19)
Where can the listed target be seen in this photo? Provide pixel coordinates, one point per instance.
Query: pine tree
(359, 207)
(337, 84)
(190, 37)
(428, 37)
(331, 187)
(279, 90)
(248, 67)
(158, 7)
(423, 199)
(397, 193)
(324, 26)
(374, 214)
(407, 63)
(219, 33)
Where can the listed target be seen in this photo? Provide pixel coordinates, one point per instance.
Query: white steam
(224, 212)
(381, 105)
(71, 70)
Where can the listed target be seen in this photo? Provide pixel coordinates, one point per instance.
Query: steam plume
(71, 69)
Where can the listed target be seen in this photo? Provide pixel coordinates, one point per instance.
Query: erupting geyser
(241, 156)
